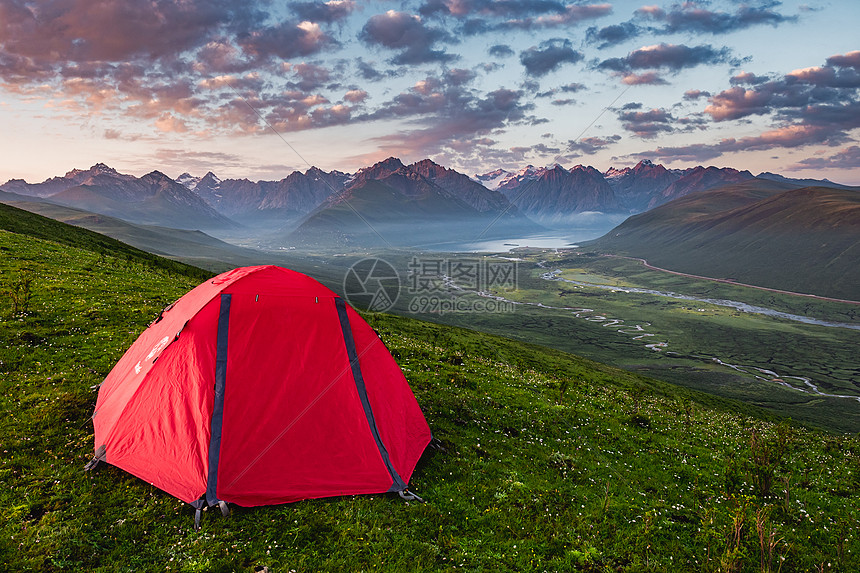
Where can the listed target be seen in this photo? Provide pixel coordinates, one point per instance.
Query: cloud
(169, 63)
(747, 78)
(570, 15)
(570, 88)
(445, 115)
(647, 124)
(591, 145)
(168, 123)
(612, 35)
(815, 94)
(368, 71)
(500, 51)
(827, 76)
(355, 96)
(849, 60)
(482, 16)
(111, 30)
(847, 158)
(694, 16)
(645, 78)
(671, 56)
(548, 56)
(688, 17)
(329, 12)
(810, 106)
(286, 40)
(180, 160)
(786, 137)
(310, 76)
(739, 102)
(692, 95)
(408, 34)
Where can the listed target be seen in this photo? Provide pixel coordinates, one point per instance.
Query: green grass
(693, 333)
(550, 462)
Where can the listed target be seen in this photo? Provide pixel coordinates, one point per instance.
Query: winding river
(638, 331)
(741, 306)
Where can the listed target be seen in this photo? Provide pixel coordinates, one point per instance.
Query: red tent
(260, 386)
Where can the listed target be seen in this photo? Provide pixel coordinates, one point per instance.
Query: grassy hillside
(30, 224)
(548, 462)
(805, 240)
(194, 247)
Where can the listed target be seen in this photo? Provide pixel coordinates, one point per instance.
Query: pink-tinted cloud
(849, 60)
(739, 102)
(647, 124)
(355, 96)
(847, 158)
(747, 78)
(150, 60)
(644, 79)
(815, 96)
(785, 137)
(692, 95)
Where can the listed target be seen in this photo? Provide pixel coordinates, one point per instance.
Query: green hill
(548, 462)
(760, 232)
(193, 247)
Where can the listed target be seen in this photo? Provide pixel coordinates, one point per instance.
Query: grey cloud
(408, 34)
(549, 56)
(500, 51)
(671, 56)
(613, 34)
(328, 12)
(591, 145)
(693, 16)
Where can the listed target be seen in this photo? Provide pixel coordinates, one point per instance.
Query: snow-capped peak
(493, 179)
(613, 173)
(188, 181)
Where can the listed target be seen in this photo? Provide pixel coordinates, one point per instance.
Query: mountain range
(766, 232)
(547, 195)
(153, 199)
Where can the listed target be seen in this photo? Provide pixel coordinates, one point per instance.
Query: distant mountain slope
(556, 192)
(154, 199)
(293, 196)
(697, 180)
(482, 199)
(393, 204)
(635, 187)
(31, 224)
(802, 182)
(761, 232)
(193, 247)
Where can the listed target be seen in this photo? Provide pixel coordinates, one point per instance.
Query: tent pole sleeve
(218, 406)
(397, 482)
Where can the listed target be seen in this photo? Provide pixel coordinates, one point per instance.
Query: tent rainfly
(260, 386)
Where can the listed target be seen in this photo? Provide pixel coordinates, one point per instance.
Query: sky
(258, 89)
